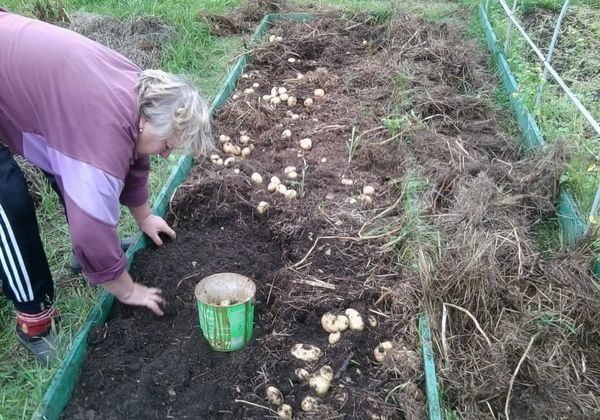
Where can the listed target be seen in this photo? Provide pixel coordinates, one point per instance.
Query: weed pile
(515, 329)
(141, 39)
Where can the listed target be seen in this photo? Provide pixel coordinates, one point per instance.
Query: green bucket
(226, 310)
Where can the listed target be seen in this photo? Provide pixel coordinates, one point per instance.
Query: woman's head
(172, 115)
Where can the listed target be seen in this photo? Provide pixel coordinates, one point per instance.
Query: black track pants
(26, 278)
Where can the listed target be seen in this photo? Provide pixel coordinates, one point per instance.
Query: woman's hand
(152, 225)
(150, 297)
(131, 293)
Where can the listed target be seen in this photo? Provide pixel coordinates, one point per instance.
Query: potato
(290, 195)
(245, 76)
(289, 169)
(306, 352)
(319, 92)
(236, 150)
(365, 200)
(266, 98)
(274, 396)
(372, 321)
(299, 76)
(281, 90)
(248, 91)
(223, 138)
(275, 180)
(292, 175)
(278, 39)
(381, 350)
(368, 190)
(256, 178)
(332, 323)
(347, 182)
(227, 148)
(255, 85)
(306, 144)
(262, 207)
(364, 42)
(284, 97)
(334, 337)
(291, 100)
(246, 152)
(285, 412)
(274, 91)
(355, 321)
(272, 187)
(291, 60)
(272, 38)
(228, 161)
(286, 134)
(321, 381)
(309, 404)
(235, 96)
(275, 101)
(282, 189)
(295, 117)
(308, 102)
(302, 374)
(219, 162)
(244, 139)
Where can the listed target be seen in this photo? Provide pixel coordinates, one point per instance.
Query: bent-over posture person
(90, 119)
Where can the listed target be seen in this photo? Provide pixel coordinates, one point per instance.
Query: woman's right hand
(131, 293)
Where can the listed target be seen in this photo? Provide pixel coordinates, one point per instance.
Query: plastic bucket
(226, 310)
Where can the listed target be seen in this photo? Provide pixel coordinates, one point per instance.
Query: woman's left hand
(153, 225)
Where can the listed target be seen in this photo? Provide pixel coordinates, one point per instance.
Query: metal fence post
(509, 29)
(553, 42)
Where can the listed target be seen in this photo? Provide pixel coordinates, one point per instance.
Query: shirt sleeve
(135, 190)
(95, 244)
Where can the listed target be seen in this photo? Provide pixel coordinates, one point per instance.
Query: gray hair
(173, 107)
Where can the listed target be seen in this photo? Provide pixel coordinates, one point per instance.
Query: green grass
(192, 51)
(557, 117)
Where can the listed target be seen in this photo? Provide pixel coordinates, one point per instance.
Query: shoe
(43, 347)
(75, 266)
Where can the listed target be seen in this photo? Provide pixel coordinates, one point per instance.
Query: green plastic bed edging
(572, 223)
(532, 136)
(61, 388)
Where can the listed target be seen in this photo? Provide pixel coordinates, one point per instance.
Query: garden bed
(450, 221)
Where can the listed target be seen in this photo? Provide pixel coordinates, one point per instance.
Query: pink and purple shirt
(69, 106)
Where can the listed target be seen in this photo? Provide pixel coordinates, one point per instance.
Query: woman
(90, 118)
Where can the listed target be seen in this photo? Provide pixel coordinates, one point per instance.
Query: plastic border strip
(61, 388)
(532, 136)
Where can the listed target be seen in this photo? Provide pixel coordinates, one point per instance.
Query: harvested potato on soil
(289, 169)
(381, 350)
(275, 180)
(256, 178)
(285, 412)
(224, 139)
(244, 139)
(308, 102)
(262, 207)
(282, 189)
(306, 144)
(246, 152)
(347, 182)
(309, 404)
(302, 374)
(321, 381)
(292, 175)
(228, 161)
(334, 337)
(368, 190)
(355, 321)
(291, 100)
(372, 321)
(306, 352)
(319, 93)
(274, 396)
(291, 195)
(334, 323)
(272, 187)
(286, 134)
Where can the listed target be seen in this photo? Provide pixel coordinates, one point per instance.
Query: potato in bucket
(226, 310)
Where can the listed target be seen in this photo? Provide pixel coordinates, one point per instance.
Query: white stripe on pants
(17, 282)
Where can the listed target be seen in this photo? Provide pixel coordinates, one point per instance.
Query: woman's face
(149, 144)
